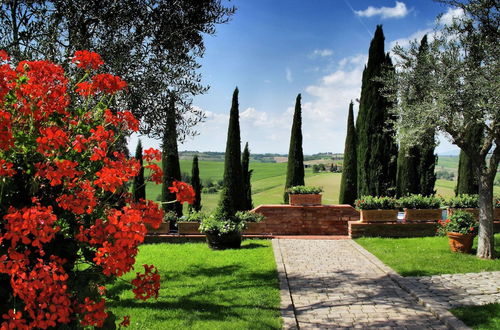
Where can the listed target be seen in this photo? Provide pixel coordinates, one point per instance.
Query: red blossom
(6, 168)
(87, 60)
(13, 320)
(152, 154)
(51, 138)
(94, 313)
(126, 321)
(6, 138)
(156, 173)
(63, 169)
(147, 285)
(107, 83)
(4, 56)
(183, 192)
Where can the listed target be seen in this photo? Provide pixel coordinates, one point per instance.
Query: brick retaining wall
(304, 220)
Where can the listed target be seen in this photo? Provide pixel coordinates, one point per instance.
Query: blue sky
(274, 49)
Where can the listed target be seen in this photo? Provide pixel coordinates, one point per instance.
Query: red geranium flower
(87, 60)
(183, 192)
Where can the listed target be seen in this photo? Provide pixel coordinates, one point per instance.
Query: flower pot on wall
(305, 199)
(378, 215)
(188, 227)
(163, 229)
(422, 215)
(460, 242)
(473, 211)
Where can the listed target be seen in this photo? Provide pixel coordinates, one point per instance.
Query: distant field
(268, 180)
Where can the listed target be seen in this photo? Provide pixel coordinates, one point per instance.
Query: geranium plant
(420, 202)
(376, 203)
(461, 222)
(464, 201)
(67, 223)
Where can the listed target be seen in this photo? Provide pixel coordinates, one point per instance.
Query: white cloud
(418, 35)
(451, 14)
(322, 53)
(398, 11)
(289, 76)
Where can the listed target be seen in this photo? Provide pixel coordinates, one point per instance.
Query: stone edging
(286, 306)
(445, 316)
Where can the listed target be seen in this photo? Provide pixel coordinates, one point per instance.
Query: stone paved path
(331, 284)
(453, 290)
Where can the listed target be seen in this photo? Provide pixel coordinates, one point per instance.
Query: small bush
(305, 190)
(463, 201)
(215, 225)
(246, 216)
(420, 202)
(170, 216)
(461, 222)
(376, 203)
(194, 217)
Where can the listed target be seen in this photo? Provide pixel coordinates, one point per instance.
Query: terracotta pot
(422, 215)
(163, 229)
(496, 213)
(304, 199)
(224, 241)
(460, 242)
(473, 211)
(188, 227)
(378, 215)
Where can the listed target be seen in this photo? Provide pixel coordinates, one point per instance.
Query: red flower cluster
(76, 189)
(183, 192)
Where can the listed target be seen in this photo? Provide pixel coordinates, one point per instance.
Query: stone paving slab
(333, 285)
(454, 290)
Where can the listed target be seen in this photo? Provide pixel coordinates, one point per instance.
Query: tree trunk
(485, 248)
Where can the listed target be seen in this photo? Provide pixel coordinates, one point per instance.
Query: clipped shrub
(194, 217)
(420, 202)
(305, 190)
(170, 216)
(376, 203)
(246, 216)
(215, 225)
(461, 222)
(463, 201)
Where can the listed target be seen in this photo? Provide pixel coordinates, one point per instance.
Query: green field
(268, 180)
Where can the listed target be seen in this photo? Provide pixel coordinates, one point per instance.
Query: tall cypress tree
(416, 164)
(349, 182)
(170, 159)
(139, 186)
(467, 181)
(232, 196)
(196, 183)
(295, 167)
(247, 175)
(376, 149)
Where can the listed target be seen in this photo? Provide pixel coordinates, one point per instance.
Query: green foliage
(139, 185)
(214, 224)
(170, 159)
(445, 175)
(305, 190)
(232, 196)
(463, 201)
(426, 256)
(195, 216)
(197, 187)
(467, 181)
(246, 216)
(483, 317)
(376, 146)
(170, 216)
(295, 166)
(376, 203)
(420, 202)
(461, 222)
(247, 176)
(349, 185)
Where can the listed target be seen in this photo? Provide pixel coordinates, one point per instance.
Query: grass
(205, 289)
(479, 317)
(424, 256)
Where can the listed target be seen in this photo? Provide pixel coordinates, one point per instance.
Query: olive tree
(463, 80)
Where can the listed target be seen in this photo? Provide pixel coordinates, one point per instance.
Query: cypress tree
(467, 182)
(138, 186)
(232, 196)
(170, 159)
(247, 175)
(408, 176)
(376, 148)
(196, 183)
(295, 167)
(349, 183)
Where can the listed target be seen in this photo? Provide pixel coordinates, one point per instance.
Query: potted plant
(421, 208)
(496, 210)
(464, 202)
(305, 195)
(377, 209)
(190, 224)
(165, 225)
(222, 232)
(460, 227)
(252, 221)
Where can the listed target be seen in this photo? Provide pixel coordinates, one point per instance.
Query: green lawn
(485, 317)
(205, 289)
(425, 256)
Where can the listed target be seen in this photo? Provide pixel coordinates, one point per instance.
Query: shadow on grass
(253, 246)
(479, 317)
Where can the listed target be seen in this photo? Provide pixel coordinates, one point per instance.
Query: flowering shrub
(464, 201)
(375, 203)
(461, 222)
(67, 223)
